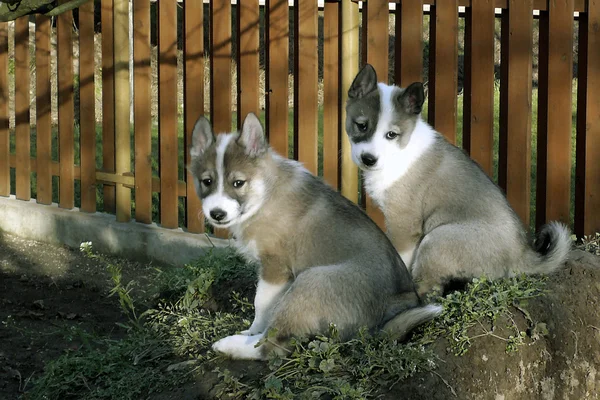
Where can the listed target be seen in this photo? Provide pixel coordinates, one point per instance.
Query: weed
(171, 341)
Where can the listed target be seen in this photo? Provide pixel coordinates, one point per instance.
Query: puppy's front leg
(267, 294)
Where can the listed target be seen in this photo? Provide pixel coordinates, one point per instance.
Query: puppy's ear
(364, 83)
(252, 137)
(412, 98)
(202, 137)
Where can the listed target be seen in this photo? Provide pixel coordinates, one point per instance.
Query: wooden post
(122, 121)
(87, 108)
(515, 106)
(305, 83)
(43, 103)
(108, 101)
(193, 99)
(587, 200)
(331, 94)
(277, 37)
(554, 118)
(349, 66)
(443, 68)
(478, 116)
(167, 110)
(65, 109)
(409, 42)
(142, 111)
(22, 124)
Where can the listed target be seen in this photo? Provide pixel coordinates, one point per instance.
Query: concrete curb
(55, 225)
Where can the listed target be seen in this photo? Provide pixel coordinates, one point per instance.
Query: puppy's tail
(550, 250)
(399, 326)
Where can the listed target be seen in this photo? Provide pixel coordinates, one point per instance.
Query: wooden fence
(76, 159)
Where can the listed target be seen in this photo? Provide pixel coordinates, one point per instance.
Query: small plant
(591, 244)
(172, 340)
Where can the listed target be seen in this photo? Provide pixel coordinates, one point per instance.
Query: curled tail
(550, 249)
(399, 326)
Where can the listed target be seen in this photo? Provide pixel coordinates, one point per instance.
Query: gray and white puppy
(443, 214)
(322, 260)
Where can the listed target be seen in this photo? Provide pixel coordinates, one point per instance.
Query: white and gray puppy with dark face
(322, 260)
(445, 217)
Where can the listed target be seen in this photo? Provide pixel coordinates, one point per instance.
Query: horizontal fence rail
(97, 105)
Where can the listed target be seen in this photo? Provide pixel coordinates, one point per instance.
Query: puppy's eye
(207, 182)
(391, 135)
(238, 184)
(362, 126)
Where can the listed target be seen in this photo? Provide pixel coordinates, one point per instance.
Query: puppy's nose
(368, 159)
(217, 214)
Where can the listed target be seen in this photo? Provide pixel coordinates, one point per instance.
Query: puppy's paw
(239, 347)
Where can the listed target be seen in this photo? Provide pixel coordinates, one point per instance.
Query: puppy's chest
(248, 249)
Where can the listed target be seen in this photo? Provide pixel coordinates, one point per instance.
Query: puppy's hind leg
(457, 251)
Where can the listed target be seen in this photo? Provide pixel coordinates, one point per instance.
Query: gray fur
(456, 218)
(340, 267)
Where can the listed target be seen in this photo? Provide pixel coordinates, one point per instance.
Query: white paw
(239, 346)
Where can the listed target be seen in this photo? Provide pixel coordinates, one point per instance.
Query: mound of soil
(559, 361)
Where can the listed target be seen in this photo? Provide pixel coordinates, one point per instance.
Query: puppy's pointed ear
(202, 137)
(364, 83)
(412, 98)
(252, 137)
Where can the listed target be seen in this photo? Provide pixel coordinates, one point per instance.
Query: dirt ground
(48, 293)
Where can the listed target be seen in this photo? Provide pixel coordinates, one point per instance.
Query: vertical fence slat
(409, 43)
(515, 111)
(478, 114)
(108, 102)
(248, 59)
(220, 81)
(87, 107)
(331, 94)
(557, 127)
(167, 99)
(277, 35)
(43, 110)
(22, 130)
(122, 107)
(443, 68)
(377, 56)
(4, 101)
(142, 111)
(587, 200)
(503, 116)
(64, 26)
(542, 119)
(193, 92)
(349, 61)
(305, 83)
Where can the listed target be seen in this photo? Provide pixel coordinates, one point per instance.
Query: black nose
(368, 159)
(217, 214)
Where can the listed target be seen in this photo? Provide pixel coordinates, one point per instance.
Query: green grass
(169, 342)
(181, 167)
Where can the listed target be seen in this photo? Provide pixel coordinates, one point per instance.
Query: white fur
(248, 250)
(392, 161)
(266, 295)
(219, 199)
(407, 256)
(240, 347)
